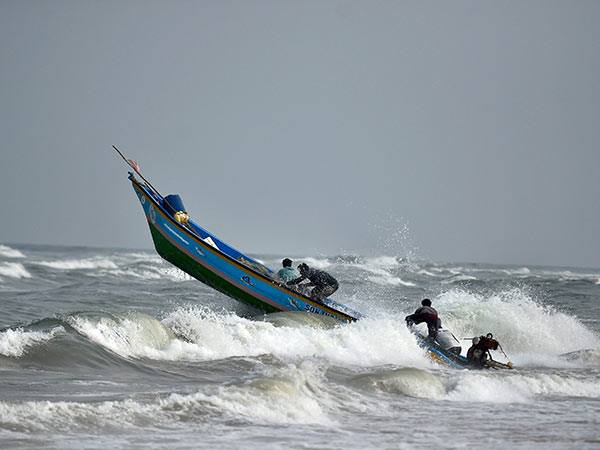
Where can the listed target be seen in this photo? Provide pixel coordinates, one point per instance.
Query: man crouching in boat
(287, 272)
(428, 315)
(324, 284)
(479, 351)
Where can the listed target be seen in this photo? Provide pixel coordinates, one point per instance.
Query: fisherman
(324, 284)
(287, 272)
(479, 351)
(428, 315)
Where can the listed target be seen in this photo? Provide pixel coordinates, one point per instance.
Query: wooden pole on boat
(136, 168)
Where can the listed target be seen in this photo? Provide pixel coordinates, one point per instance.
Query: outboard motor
(174, 205)
(448, 342)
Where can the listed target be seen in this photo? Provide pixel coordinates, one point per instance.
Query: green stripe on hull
(180, 259)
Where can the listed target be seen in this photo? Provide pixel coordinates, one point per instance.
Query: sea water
(103, 348)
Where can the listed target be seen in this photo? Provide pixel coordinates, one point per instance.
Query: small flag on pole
(134, 165)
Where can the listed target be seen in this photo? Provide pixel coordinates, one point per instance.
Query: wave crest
(8, 252)
(16, 342)
(14, 270)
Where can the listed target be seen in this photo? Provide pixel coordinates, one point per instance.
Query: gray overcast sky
(308, 127)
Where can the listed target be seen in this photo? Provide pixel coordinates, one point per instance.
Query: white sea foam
(366, 342)
(211, 336)
(519, 271)
(137, 256)
(457, 278)
(78, 264)
(384, 262)
(385, 278)
(146, 273)
(427, 273)
(8, 252)
(13, 270)
(380, 267)
(322, 263)
(16, 342)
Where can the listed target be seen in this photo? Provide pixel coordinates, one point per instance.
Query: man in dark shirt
(324, 284)
(428, 315)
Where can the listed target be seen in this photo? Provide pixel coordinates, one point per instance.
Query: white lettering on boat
(176, 234)
(315, 310)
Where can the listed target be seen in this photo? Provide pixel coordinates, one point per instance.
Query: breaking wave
(8, 252)
(16, 342)
(14, 270)
(531, 333)
(476, 386)
(291, 395)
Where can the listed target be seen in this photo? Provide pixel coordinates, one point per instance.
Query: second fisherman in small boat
(479, 351)
(426, 313)
(324, 284)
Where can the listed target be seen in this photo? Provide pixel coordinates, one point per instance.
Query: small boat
(445, 350)
(202, 255)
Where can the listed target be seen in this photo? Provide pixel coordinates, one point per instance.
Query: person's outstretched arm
(296, 281)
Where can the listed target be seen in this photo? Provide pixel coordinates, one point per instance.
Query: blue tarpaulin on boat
(173, 203)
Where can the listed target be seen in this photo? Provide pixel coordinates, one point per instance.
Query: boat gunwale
(229, 259)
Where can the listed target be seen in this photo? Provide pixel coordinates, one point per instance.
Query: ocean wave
(458, 278)
(426, 273)
(519, 271)
(8, 252)
(294, 394)
(476, 386)
(517, 388)
(366, 342)
(14, 270)
(79, 264)
(385, 278)
(128, 335)
(406, 381)
(148, 273)
(16, 342)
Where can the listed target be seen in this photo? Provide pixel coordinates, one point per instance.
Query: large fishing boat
(202, 255)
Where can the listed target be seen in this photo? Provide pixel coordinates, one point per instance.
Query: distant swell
(8, 252)
(75, 264)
